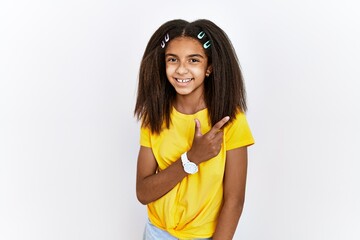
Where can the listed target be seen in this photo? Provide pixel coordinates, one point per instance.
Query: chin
(182, 92)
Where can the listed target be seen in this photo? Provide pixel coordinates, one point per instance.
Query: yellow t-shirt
(191, 208)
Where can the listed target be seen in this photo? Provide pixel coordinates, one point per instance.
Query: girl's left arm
(234, 193)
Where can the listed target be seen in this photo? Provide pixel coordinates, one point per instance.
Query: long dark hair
(224, 88)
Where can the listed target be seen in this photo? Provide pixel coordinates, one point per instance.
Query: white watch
(189, 167)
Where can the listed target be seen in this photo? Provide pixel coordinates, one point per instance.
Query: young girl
(192, 162)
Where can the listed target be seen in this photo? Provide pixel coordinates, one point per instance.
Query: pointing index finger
(219, 124)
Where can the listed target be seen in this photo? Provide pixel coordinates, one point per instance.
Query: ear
(208, 70)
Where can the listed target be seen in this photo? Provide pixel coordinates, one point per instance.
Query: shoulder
(145, 136)
(238, 132)
(238, 120)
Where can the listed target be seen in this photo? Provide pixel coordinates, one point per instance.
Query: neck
(188, 105)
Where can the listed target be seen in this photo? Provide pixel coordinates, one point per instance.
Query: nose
(182, 69)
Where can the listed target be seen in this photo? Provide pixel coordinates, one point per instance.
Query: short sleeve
(145, 137)
(238, 133)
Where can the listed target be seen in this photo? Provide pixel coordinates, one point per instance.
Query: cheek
(170, 70)
(168, 73)
(198, 71)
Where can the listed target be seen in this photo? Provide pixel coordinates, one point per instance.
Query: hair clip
(207, 44)
(167, 38)
(201, 35)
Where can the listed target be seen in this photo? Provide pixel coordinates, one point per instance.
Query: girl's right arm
(150, 185)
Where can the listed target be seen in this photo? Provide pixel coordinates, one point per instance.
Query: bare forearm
(157, 185)
(228, 221)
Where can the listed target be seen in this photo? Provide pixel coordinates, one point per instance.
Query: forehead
(184, 46)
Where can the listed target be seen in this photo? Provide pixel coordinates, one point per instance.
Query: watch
(189, 167)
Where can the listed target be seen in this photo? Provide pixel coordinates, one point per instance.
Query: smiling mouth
(183, 80)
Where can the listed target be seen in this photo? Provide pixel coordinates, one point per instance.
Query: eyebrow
(188, 56)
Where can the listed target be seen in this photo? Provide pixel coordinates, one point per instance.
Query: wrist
(191, 157)
(189, 167)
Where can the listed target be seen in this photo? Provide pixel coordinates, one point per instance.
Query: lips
(184, 80)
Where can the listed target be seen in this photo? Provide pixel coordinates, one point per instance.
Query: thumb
(197, 128)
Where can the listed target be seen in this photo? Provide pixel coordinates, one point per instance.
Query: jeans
(153, 233)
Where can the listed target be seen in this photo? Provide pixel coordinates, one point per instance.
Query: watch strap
(184, 158)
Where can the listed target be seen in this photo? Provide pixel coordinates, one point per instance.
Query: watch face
(190, 168)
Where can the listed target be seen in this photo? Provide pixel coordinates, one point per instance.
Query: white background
(69, 141)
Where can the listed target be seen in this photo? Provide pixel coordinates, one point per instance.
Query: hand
(207, 146)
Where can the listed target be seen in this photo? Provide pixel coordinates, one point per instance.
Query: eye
(171, 59)
(194, 60)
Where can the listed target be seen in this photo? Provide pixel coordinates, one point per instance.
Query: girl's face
(186, 66)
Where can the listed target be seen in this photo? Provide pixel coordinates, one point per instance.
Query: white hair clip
(201, 35)
(166, 39)
(207, 44)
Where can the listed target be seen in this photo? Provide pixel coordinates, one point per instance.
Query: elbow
(143, 193)
(141, 197)
(142, 200)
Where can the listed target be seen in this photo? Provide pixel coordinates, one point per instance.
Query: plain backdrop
(69, 141)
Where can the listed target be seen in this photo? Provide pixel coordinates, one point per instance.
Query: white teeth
(183, 80)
